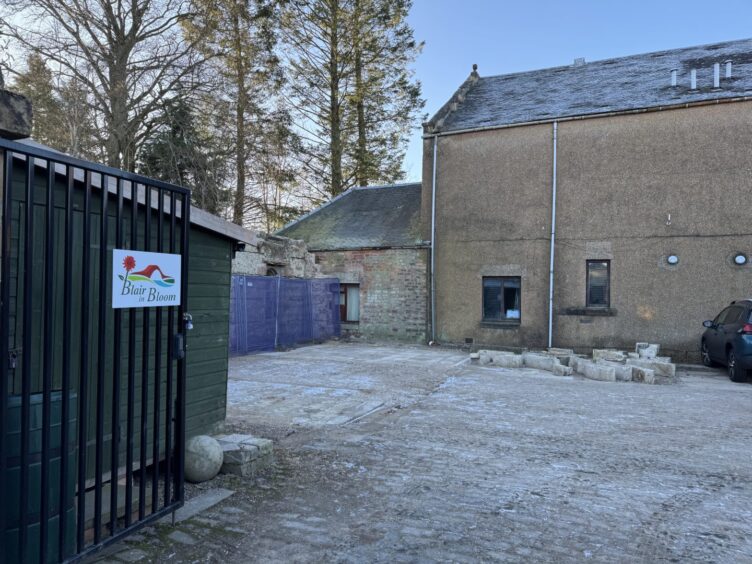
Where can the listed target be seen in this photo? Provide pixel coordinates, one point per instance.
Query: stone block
(595, 371)
(539, 361)
(665, 369)
(508, 361)
(15, 115)
(643, 375)
(245, 455)
(622, 372)
(474, 356)
(648, 350)
(562, 370)
(608, 354)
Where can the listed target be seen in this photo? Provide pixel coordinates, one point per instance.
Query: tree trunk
(334, 102)
(239, 203)
(361, 166)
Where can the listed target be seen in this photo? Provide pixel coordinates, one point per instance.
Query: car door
(727, 327)
(715, 337)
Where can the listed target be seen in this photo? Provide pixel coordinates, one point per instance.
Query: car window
(730, 315)
(735, 314)
(721, 316)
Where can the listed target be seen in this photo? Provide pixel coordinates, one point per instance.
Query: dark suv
(728, 340)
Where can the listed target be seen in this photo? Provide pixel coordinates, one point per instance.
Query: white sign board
(141, 279)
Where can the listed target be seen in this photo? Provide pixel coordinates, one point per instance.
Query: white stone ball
(203, 458)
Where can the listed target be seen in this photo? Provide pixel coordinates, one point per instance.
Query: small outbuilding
(369, 238)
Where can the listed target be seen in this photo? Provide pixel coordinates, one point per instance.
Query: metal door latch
(12, 359)
(188, 318)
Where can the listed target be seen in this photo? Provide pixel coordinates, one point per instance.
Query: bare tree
(129, 57)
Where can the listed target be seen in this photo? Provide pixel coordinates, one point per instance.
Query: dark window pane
(597, 284)
(512, 298)
(491, 298)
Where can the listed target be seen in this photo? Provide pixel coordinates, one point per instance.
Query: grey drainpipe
(433, 242)
(553, 242)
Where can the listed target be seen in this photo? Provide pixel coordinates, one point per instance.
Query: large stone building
(370, 239)
(646, 162)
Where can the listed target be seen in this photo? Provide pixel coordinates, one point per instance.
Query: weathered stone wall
(631, 189)
(393, 290)
(288, 257)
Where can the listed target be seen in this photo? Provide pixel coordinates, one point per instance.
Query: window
(349, 303)
(729, 315)
(598, 283)
(501, 298)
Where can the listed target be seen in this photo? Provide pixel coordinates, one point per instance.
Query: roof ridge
(620, 58)
(382, 186)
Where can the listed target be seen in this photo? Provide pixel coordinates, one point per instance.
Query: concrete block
(633, 355)
(245, 455)
(643, 375)
(622, 372)
(595, 371)
(665, 369)
(539, 361)
(508, 361)
(648, 350)
(562, 370)
(608, 354)
(560, 352)
(484, 358)
(474, 356)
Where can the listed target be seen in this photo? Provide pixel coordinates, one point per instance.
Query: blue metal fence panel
(267, 313)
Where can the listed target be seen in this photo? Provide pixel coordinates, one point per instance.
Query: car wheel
(706, 360)
(733, 369)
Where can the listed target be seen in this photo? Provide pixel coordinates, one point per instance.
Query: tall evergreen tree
(183, 151)
(239, 36)
(352, 88)
(36, 83)
(386, 97)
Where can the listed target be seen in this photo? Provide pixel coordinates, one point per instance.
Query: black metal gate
(92, 420)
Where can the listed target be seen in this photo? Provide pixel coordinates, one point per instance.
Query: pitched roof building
(369, 238)
(594, 204)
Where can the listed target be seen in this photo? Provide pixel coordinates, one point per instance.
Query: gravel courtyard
(410, 454)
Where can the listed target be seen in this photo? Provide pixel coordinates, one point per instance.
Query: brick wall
(393, 290)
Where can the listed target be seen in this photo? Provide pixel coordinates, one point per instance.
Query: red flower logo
(129, 263)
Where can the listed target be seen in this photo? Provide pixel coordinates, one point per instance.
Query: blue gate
(271, 312)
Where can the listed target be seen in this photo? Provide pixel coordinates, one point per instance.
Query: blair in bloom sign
(141, 279)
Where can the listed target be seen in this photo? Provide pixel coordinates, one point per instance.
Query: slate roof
(368, 217)
(621, 84)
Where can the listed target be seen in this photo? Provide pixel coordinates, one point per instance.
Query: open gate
(92, 420)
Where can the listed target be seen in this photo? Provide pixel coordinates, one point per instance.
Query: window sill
(502, 324)
(591, 311)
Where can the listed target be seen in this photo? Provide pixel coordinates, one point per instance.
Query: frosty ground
(411, 454)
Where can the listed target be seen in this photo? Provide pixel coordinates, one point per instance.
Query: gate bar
(26, 358)
(47, 365)
(130, 424)
(144, 368)
(84, 368)
(65, 384)
(157, 373)
(170, 355)
(185, 222)
(5, 327)
(116, 361)
(101, 358)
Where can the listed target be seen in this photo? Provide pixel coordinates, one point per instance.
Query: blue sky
(504, 36)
